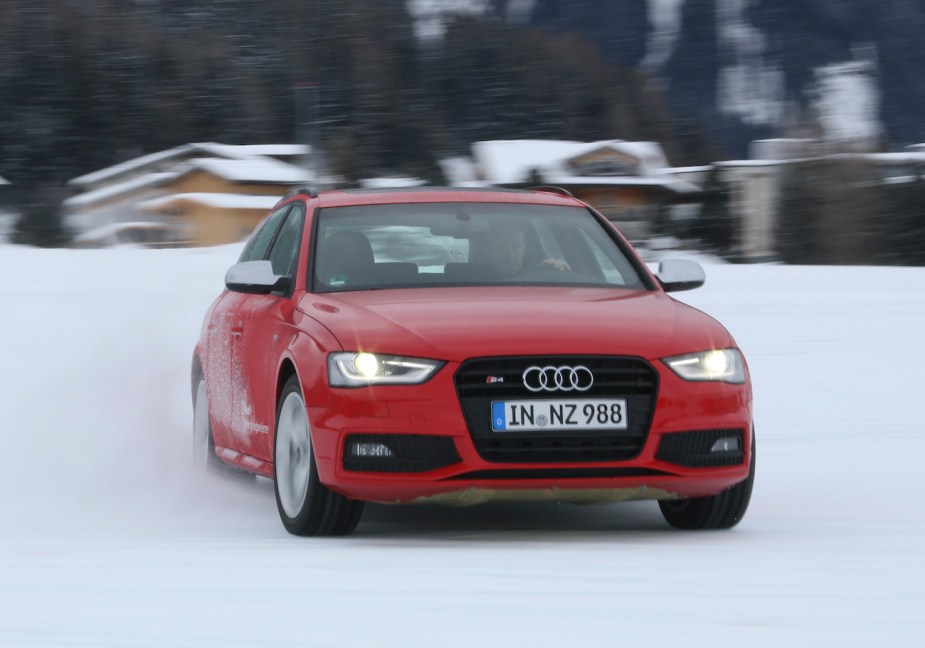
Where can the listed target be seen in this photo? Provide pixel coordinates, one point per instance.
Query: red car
(460, 346)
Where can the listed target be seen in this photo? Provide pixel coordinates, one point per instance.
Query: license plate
(532, 415)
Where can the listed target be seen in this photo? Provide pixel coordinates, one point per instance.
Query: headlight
(360, 369)
(718, 365)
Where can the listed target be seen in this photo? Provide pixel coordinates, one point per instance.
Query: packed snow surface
(109, 538)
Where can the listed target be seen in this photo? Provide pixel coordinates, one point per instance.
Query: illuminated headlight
(361, 369)
(723, 365)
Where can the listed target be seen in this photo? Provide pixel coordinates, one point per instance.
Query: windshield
(465, 244)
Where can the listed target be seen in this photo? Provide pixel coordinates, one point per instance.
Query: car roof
(348, 197)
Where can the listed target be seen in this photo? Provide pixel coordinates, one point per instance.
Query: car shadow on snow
(497, 520)
(490, 521)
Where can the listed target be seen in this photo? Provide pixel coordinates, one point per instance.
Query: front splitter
(473, 496)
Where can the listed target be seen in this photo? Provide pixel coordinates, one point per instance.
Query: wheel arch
(286, 371)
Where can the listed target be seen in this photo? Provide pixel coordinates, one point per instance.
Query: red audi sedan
(459, 346)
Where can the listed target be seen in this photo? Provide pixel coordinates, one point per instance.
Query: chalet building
(633, 185)
(195, 194)
(210, 194)
(629, 182)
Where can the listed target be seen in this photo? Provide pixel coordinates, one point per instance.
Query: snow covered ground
(109, 539)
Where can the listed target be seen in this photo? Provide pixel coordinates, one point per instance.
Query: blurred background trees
(85, 84)
(839, 210)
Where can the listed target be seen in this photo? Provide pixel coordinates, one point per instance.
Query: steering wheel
(544, 272)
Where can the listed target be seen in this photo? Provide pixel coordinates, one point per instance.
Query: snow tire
(204, 457)
(721, 511)
(306, 506)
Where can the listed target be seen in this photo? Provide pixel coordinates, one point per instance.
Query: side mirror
(255, 277)
(680, 274)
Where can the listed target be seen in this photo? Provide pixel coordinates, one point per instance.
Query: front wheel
(722, 511)
(306, 506)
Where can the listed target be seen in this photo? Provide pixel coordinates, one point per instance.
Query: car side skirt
(246, 462)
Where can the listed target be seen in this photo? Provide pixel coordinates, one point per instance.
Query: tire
(306, 506)
(204, 457)
(721, 511)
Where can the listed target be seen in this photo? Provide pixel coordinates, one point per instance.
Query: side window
(259, 242)
(286, 246)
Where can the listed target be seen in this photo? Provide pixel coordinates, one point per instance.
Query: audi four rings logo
(563, 378)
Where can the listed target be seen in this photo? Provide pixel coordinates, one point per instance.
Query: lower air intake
(703, 448)
(395, 453)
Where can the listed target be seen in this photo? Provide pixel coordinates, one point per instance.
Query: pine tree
(40, 221)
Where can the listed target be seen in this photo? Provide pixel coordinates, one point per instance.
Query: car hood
(458, 323)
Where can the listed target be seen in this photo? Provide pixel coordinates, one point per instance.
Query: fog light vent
(370, 450)
(398, 452)
(702, 448)
(724, 444)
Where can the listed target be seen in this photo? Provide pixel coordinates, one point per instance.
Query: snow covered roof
(220, 200)
(211, 149)
(236, 164)
(687, 169)
(275, 150)
(109, 192)
(516, 161)
(139, 163)
(252, 170)
(392, 182)
(513, 161)
(4, 181)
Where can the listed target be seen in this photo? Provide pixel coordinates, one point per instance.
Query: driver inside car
(505, 249)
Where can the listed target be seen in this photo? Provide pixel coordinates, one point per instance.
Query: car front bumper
(436, 457)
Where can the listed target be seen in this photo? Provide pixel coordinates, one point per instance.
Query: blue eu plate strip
(498, 420)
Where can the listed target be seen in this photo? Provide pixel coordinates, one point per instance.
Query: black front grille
(692, 449)
(481, 381)
(409, 453)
